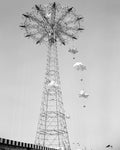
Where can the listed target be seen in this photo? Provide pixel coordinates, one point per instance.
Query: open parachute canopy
(73, 50)
(79, 66)
(67, 116)
(83, 94)
(52, 84)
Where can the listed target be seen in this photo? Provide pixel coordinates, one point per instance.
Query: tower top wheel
(52, 23)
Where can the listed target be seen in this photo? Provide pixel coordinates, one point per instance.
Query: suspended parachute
(52, 84)
(109, 146)
(79, 66)
(73, 50)
(83, 94)
(67, 116)
(81, 79)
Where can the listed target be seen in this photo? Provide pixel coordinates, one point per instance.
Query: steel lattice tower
(50, 24)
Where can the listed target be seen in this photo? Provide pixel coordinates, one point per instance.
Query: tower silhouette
(50, 24)
(52, 128)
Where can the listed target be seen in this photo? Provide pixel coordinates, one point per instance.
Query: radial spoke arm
(32, 34)
(41, 39)
(29, 26)
(72, 28)
(33, 18)
(53, 14)
(42, 13)
(69, 35)
(60, 38)
(65, 14)
(69, 22)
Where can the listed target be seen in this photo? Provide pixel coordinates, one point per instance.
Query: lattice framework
(52, 24)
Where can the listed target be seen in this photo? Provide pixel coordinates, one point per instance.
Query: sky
(22, 72)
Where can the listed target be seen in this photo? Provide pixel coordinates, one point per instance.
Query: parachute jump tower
(52, 24)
